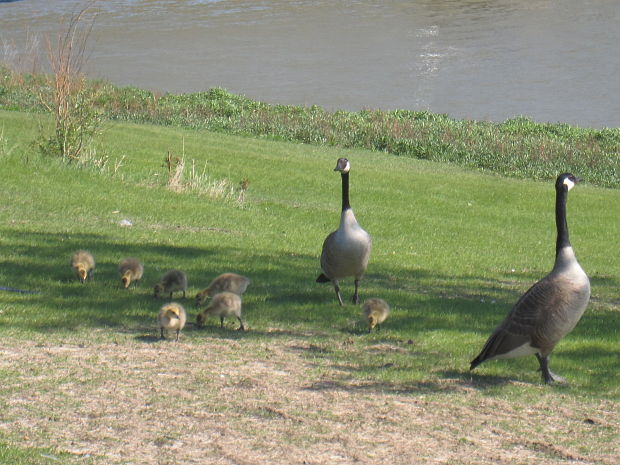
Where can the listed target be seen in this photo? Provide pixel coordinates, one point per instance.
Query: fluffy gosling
(130, 270)
(227, 282)
(172, 281)
(224, 304)
(375, 312)
(83, 265)
(171, 316)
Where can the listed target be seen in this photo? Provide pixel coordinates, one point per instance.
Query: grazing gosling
(227, 282)
(172, 281)
(130, 270)
(375, 312)
(172, 316)
(223, 304)
(83, 265)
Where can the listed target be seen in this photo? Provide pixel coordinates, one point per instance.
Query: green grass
(453, 250)
(517, 147)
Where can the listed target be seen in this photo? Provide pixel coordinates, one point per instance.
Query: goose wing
(524, 325)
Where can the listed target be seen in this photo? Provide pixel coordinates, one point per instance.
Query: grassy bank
(453, 250)
(518, 147)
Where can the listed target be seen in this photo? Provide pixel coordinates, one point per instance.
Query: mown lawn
(453, 250)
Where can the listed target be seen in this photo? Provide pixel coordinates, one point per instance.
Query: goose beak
(578, 179)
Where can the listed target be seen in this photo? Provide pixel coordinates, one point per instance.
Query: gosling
(83, 265)
(375, 312)
(227, 282)
(130, 270)
(224, 304)
(172, 281)
(172, 316)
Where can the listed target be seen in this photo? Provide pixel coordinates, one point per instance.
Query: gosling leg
(241, 328)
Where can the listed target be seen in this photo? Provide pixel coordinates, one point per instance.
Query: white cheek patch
(568, 183)
(347, 167)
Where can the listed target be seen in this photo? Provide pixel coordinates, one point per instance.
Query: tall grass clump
(68, 95)
(199, 182)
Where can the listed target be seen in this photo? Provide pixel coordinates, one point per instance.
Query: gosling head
(158, 289)
(80, 270)
(342, 165)
(566, 181)
(200, 319)
(201, 297)
(126, 279)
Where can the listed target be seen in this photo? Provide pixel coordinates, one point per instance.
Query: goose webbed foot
(548, 376)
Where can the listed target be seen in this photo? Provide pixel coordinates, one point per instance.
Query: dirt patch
(246, 402)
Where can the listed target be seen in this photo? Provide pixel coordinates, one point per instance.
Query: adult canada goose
(551, 308)
(83, 265)
(130, 270)
(172, 281)
(224, 304)
(375, 312)
(171, 316)
(229, 282)
(345, 251)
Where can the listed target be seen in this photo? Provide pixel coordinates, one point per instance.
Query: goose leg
(337, 289)
(355, 296)
(221, 322)
(547, 375)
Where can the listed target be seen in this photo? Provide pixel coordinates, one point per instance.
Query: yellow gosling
(224, 304)
(172, 281)
(375, 312)
(83, 265)
(227, 282)
(130, 270)
(172, 316)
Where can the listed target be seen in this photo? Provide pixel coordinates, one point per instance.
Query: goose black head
(566, 181)
(342, 165)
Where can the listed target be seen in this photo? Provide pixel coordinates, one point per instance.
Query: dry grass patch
(209, 400)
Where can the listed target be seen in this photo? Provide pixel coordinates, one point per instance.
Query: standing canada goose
(223, 304)
(130, 269)
(171, 316)
(229, 282)
(83, 265)
(551, 308)
(172, 281)
(375, 312)
(345, 251)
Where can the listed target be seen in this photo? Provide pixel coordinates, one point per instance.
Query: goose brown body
(550, 309)
(130, 270)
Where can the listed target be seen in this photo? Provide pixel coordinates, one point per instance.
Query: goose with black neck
(346, 251)
(551, 308)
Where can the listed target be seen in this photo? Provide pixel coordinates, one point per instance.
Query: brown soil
(230, 402)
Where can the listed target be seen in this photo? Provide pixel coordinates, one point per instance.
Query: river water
(551, 60)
